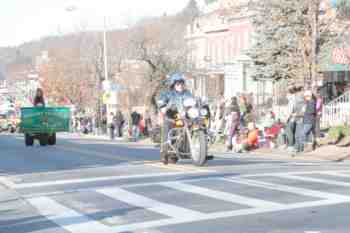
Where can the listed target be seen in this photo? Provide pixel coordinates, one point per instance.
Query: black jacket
(310, 112)
(135, 118)
(39, 100)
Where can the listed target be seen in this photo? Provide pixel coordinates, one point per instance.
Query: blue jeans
(299, 137)
(135, 132)
(308, 129)
(291, 133)
(303, 132)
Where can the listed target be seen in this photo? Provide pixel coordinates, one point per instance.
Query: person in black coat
(135, 121)
(39, 100)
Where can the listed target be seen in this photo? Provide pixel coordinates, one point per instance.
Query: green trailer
(43, 123)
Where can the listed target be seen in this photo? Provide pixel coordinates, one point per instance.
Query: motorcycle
(187, 136)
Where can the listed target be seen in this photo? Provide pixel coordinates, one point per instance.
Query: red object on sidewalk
(273, 131)
(142, 126)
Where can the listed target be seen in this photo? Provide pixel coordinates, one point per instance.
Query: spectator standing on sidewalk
(148, 123)
(219, 120)
(233, 121)
(246, 110)
(291, 122)
(298, 114)
(119, 122)
(242, 109)
(135, 121)
(319, 109)
(309, 119)
(112, 127)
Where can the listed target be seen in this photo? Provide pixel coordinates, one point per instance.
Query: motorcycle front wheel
(199, 148)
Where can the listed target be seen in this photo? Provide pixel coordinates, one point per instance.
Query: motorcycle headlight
(193, 113)
(204, 112)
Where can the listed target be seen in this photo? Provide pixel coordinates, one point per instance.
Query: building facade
(218, 40)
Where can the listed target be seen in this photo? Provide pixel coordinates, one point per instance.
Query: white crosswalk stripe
(290, 189)
(76, 222)
(67, 218)
(149, 204)
(337, 174)
(229, 197)
(316, 180)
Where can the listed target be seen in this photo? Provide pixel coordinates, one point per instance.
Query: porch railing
(336, 112)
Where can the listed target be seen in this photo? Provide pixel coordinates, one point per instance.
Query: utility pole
(74, 8)
(105, 57)
(315, 13)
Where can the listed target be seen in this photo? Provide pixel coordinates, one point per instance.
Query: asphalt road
(89, 185)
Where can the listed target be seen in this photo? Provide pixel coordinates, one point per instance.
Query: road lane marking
(67, 218)
(291, 173)
(95, 153)
(168, 167)
(332, 173)
(179, 167)
(105, 178)
(157, 164)
(149, 204)
(290, 189)
(252, 202)
(7, 182)
(316, 180)
(152, 175)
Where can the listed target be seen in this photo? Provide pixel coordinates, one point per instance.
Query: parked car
(9, 121)
(4, 123)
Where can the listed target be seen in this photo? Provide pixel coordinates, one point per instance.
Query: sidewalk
(324, 153)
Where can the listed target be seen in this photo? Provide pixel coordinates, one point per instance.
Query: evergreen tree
(275, 51)
(191, 11)
(289, 38)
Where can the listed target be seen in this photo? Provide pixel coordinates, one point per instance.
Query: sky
(26, 20)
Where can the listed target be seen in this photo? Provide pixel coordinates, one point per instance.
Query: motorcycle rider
(170, 102)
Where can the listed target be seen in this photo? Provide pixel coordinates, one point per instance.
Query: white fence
(336, 112)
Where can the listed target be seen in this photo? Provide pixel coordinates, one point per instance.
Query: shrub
(335, 134)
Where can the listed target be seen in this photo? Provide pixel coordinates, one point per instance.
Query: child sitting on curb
(249, 140)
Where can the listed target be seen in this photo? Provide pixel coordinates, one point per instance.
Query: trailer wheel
(52, 139)
(29, 140)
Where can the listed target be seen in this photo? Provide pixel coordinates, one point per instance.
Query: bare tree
(161, 45)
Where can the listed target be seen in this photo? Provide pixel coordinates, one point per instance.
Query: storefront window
(347, 76)
(341, 76)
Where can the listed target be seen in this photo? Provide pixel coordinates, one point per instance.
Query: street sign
(117, 87)
(111, 86)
